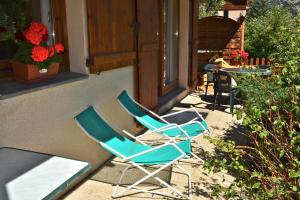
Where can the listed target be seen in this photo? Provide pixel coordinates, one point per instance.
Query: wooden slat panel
(116, 57)
(110, 25)
(263, 61)
(112, 61)
(257, 61)
(218, 33)
(234, 7)
(150, 47)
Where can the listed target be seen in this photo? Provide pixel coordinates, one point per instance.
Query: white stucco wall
(77, 35)
(43, 120)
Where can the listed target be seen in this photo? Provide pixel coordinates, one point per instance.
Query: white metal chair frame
(127, 160)
(169, 124)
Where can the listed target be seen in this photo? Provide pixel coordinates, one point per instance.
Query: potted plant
(239, 57)
(35, 60)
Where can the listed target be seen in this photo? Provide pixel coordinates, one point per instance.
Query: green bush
(209, 8)
(268, 34)
(268, 168)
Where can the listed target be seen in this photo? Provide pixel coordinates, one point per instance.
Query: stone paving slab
(218, 121)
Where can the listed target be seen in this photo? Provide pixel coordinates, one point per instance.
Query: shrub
(269, 168)
(268, 34)
(209, 8)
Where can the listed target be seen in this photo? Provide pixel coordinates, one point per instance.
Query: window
(44, 11)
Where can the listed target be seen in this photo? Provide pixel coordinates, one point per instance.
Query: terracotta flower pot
(27, 73)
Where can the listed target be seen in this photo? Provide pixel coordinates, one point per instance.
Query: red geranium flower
(244, 54)
(39, 54)
(38, 28)
(33, 37)
(51, 51)
(36, 32)
(234, 54)
(59, 48)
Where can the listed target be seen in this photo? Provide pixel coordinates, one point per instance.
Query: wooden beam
(230, 6)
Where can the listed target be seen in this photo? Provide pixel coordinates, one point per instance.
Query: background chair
(209, 69)
(224, 83)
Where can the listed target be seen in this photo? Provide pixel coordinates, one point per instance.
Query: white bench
(26, 175)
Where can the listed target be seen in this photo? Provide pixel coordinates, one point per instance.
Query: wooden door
(111, 35)
(148, 51)
(193, 72)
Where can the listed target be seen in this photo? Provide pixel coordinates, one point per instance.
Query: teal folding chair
(136, 154)
(158, 124)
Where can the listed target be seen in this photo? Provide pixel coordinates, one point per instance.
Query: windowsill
(12, 88)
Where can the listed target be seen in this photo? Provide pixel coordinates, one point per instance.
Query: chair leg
(215, 98)
(206, 87)
(232, 96)
(219, 98)
(116, 194)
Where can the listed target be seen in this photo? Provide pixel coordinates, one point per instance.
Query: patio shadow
(203, 185)
(111, 172)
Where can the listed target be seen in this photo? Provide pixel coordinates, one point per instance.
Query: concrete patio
(100, 184)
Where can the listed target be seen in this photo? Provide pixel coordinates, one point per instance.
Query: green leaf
(294, 188)
(294, 174)
(274, 108)
(256, 185)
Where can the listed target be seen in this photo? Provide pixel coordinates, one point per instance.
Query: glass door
(169, 45)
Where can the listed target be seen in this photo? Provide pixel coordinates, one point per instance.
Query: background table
(241, 71)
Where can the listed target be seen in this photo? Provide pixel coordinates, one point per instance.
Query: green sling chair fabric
(99, 130)
(192, 130)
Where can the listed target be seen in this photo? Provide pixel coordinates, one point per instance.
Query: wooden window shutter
(111, 34)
